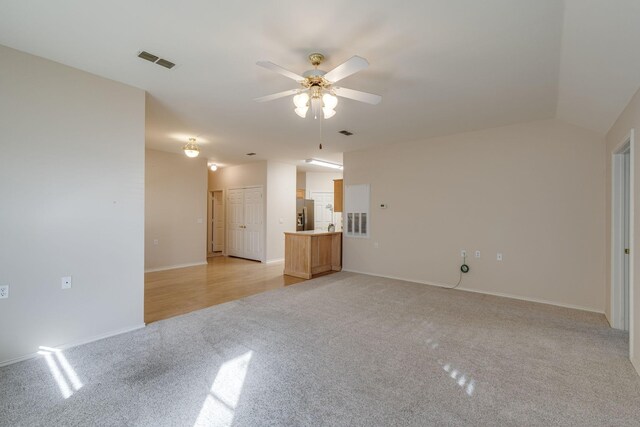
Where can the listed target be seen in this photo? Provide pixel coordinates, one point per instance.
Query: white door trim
(617, 230)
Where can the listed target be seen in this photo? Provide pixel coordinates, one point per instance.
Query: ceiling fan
(317, 87)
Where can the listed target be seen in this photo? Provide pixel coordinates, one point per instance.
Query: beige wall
(246, 175)
(320, 181)
(534, 192)
(281, 207)
(629, 119)
(72, 203)
(175, 210)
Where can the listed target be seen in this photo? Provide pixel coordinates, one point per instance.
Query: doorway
(215, 229)
(622, 213)
(323, 209)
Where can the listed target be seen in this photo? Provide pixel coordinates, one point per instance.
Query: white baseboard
(171, 267)
(75, 343)
(497, 294)
(273, 261)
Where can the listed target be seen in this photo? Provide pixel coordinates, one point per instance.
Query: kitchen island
(308, 253)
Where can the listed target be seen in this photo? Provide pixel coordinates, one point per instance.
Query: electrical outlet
(463, 253)
(477, 254)
(4, 291)
(499, 256)
(66, 282)
(376, 245)
(155, 241)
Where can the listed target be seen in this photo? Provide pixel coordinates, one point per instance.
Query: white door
(218, 222)
(322, 214)
(245, 223)
(235, 222)
(253, 223)
(626, 203)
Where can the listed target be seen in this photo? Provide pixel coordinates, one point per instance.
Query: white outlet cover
(4, 291)
(376, 245)
(477, 254)
(65, 282)
(499, 256)
(155, 241)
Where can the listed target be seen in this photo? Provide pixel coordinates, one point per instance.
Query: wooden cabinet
(308, 253)
(300, 193)
(338, 195)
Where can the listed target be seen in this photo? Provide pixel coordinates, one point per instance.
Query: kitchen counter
(313, 232)
(312, 252)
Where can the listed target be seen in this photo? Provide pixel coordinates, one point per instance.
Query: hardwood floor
(173, 292)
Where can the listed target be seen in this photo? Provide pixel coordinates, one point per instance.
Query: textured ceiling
(442, 67)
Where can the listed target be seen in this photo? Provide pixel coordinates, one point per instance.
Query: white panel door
(322, 214)
(235, 223)
(254, 223)
(218, 222)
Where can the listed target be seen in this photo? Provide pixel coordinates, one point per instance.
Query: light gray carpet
(344, 349)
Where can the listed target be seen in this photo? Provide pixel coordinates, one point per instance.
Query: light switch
(66, 282)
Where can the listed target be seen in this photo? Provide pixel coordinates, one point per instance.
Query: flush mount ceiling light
(323, 163)
(318, 86)
(191, 149)
(213, 167)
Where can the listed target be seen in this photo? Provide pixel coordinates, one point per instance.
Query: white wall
(246, 175)
(533, 191)
(629, 119)
(281, 207)
(175, 210)
(72, 203)
(320, 181)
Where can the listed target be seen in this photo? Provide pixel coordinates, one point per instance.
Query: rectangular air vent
(251, 154)
(166, 64)
(346, 132)
(147, 56)
(156, 59)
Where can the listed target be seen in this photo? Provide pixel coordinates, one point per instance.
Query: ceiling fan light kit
(318, 90)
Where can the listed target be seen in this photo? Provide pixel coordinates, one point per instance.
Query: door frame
(263, 249)
(617, 235)
(210, 230)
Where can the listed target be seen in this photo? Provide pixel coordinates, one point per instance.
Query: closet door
(235, 223)
(253, 223)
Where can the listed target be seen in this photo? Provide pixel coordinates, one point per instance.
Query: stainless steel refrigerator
(304, 214)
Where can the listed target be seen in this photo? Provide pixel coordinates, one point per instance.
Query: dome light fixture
(213, 167)
(191, 149)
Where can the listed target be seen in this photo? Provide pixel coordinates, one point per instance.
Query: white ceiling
(441, 66)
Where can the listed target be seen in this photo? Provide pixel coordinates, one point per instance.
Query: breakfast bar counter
(308, 253)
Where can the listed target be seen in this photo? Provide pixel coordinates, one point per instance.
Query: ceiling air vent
(346, 132)
(251, 154)
(166, 64)
(147, 56)
(156, 59)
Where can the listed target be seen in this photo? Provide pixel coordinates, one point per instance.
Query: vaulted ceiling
(442, 66)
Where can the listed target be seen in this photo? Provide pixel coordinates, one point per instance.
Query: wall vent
(251, 154)
(346, 132)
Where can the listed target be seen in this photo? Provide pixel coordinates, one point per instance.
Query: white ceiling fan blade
(350, 66)
(278, 69)
(369, 98)
(276, 95)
